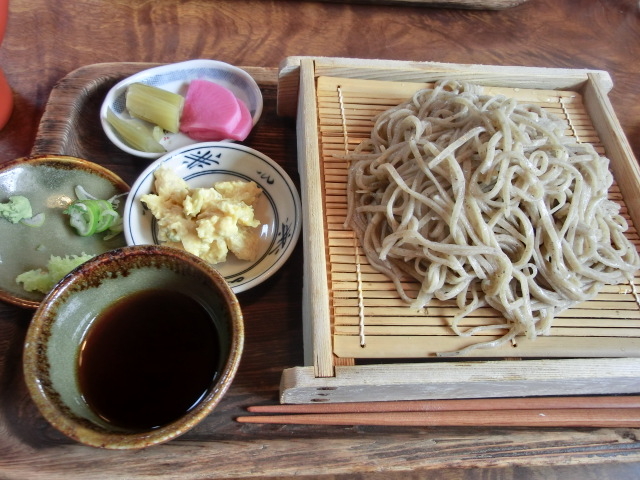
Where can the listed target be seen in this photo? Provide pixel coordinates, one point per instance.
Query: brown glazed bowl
(49, 182)
(60, 324)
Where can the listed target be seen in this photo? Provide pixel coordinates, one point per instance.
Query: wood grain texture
(464, 379)
(452, 405)
(470, 4)
(46, 40)
(575, 417)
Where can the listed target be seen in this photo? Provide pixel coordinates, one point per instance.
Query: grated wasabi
(16, 209)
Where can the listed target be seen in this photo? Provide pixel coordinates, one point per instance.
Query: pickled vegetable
(213, 112)
(136, 133)
(155, 105)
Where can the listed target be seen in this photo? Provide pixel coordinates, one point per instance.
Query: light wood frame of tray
(330, 120)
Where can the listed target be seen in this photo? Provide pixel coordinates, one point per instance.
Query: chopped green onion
(107, 218)
(91, 216)
(35, 221)
(82, 217)
(82, 194)
(114, 230)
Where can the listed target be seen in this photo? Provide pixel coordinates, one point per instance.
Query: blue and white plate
(202, 165)
(175, 78)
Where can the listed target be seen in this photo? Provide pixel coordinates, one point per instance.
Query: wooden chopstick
(524, 403)
(561, 417)
(577, 411)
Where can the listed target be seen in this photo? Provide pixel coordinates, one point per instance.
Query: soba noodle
(486, 201)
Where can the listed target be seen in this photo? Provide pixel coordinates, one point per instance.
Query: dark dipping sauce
(148, 359)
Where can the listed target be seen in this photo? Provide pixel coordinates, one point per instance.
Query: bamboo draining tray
(370, 321)
(351, 312)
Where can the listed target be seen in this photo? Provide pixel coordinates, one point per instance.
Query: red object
(6, 95)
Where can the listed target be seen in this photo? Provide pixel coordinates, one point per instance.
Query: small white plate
(202, 165)
(175, 78)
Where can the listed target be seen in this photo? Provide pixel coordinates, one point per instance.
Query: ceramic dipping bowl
(99, 309)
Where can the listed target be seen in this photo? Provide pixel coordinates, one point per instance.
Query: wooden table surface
(45, 41)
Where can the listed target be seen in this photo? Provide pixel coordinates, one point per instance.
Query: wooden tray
(352, 312)
(220, 447)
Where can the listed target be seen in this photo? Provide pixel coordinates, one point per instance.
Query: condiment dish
(49, 183)
(175, 78)
(202, 165)
(145, 360)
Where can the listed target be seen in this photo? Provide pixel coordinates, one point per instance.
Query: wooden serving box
(361, 342)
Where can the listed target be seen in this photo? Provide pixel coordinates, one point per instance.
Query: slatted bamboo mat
(369, 320)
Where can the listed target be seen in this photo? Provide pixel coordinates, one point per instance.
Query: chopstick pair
(594, 411)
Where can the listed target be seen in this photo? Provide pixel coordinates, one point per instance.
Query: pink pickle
(241, 131)
(211, 112)
(245, 124)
